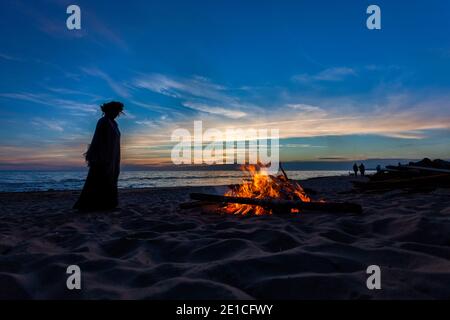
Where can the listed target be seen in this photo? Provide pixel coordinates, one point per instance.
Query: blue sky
(312, 69)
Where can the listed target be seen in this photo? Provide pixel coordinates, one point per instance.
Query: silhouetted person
(378, 168)
(355, 169)
(103, 158)
(362, 169)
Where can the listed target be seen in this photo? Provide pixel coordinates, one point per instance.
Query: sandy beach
(151, 249)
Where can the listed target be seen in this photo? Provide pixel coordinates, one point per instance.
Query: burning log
(280, 205)
(262, 185)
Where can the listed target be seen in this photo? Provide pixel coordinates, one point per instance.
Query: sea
(24, 181)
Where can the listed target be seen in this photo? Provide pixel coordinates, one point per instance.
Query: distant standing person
(362, 169)
(355, 169)
(103, 158)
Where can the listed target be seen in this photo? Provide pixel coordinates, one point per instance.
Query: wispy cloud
(194, 87)
(330, 74)
(76, 108)
(197, 93)
(117, 87)
(38, 61)
(103, 30)
(9, 57)
(216, 110)
(56, 155)
(71, 92)
(51, 124)
(151, 106)
(306, 109)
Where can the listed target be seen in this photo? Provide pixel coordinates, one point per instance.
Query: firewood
(283, 172)
(282, 206)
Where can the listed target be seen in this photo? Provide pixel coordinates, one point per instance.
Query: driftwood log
(421, 182)
(281, 206)
(431, 170)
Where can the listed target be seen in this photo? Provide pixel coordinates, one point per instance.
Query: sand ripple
(151, 249)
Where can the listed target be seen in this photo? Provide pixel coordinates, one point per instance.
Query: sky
(335, 89)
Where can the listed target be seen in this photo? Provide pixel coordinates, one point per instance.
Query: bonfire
(261, 185)
(264, 194)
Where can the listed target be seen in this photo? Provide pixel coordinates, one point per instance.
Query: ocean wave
(43, 181)
(178, 178)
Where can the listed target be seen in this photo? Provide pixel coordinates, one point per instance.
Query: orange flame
(261, 185)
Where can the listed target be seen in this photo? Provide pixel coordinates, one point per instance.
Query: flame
(261, 185)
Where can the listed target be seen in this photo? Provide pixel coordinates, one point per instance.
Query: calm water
(16, 181)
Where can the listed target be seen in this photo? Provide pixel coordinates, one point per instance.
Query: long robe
(103, 157)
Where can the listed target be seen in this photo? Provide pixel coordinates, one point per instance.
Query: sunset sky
(312, 69)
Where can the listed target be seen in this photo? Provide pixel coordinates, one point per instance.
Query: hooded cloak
(103, 158)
